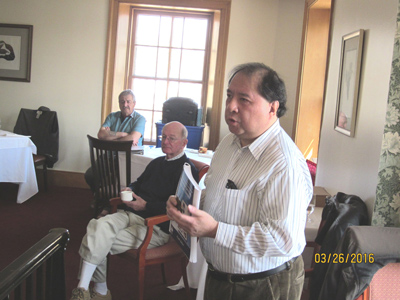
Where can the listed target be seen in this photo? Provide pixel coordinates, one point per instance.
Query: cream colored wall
(267, 31)
(68, 60)
(69, 39)
(287, 53)
(345, 164)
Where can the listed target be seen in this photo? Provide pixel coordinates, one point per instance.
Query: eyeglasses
(171, 139)
(125, 101)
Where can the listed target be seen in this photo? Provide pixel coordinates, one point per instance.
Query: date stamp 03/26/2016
(341, 258)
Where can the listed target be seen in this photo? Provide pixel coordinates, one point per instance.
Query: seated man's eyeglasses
(171, 139)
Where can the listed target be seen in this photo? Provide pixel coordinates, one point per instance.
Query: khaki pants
(115, 233)
(285, 285)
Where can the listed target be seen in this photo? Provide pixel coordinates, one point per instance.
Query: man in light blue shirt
(123, 125)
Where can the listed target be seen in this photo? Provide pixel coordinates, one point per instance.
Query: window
(166, 70)
(170, 52)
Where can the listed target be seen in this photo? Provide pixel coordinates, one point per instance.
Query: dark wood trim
(62, 178)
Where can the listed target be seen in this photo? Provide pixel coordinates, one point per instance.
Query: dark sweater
(159, 181)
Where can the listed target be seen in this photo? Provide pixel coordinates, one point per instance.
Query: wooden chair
(312, 166)
(105, 164)
(41, 160)
(169, 252)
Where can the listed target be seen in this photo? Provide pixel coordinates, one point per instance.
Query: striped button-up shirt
(262, 222)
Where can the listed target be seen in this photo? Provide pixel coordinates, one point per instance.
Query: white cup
(126, 195)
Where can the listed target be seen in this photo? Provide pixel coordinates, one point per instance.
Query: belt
(243, 277)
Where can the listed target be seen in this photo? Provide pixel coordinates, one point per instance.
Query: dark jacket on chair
(42, 126)
(340, 212)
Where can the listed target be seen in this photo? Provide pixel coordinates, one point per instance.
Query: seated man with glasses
(125, 229)
(123, 125)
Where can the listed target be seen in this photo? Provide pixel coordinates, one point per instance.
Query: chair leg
(141, 283)
(45, 176)
(163, 274)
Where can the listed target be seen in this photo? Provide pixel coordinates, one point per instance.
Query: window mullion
(180, 59)
(169, 56)
(155, 78)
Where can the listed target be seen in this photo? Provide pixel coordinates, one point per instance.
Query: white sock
(101, 287)
(87, 271)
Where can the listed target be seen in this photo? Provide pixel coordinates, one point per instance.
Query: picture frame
(15, 52)
(349, 82)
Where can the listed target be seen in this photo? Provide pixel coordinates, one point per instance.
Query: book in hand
(187, 192)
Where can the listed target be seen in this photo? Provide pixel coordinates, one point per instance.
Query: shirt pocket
(238, 207)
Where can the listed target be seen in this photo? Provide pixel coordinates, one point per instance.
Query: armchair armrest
(114, 202)
(150, 222)
(156, 220)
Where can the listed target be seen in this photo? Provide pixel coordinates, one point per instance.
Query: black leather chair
(180, 109)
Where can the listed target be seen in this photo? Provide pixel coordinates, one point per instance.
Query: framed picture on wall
(15, 52)
(349, 80)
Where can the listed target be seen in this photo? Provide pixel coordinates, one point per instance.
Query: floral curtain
(387, 204)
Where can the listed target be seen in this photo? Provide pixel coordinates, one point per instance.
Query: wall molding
(62, 178)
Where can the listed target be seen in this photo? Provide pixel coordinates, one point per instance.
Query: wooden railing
(38, 273)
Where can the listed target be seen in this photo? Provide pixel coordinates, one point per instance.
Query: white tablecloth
(313, 224)
(311, 234)
(16, 163)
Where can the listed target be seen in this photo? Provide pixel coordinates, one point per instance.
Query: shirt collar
(130, 116)
(258, 146)
(176, 157)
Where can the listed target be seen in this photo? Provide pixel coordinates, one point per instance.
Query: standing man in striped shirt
(253, 211)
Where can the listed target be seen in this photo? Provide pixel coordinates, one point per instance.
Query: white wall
(345, 164)
(267, 31)
(69, 42)
(69, 39)
(287, 53)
